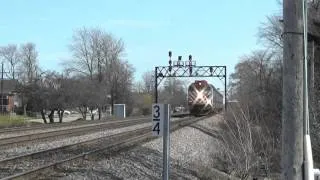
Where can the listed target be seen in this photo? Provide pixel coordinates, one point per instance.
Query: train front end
(200, 98)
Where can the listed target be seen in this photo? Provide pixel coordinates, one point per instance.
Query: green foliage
(12, 121)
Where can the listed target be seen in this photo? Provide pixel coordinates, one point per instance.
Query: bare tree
(270, 33)
(84, 50)
(56, 87)
(148, 82)
(28, 70)
(143, 93)
(138, 87)
(47, 92)
(257, 85)
(10, 54)
(82, 93)
(113, 66)
(93, 51)
(97, 55)
(120, 79)
(173, 92)
(29, 62)
(126, 85)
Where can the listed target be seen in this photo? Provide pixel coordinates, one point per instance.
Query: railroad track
(17, 167)
(77, 129)
(56, 125)
(18, 130)
(72, 131)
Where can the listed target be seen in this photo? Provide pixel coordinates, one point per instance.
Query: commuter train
(204, 98)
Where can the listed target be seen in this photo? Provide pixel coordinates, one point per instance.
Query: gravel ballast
(190, 149)
(36, 146)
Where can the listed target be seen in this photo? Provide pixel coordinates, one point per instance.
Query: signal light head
(190, 57)
(170, 53)
(179, 58)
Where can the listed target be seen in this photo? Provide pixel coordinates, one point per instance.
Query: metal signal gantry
(188, 69)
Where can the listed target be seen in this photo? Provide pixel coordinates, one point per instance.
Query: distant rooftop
(9, 85)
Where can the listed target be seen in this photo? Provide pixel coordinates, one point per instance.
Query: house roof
(9, 85)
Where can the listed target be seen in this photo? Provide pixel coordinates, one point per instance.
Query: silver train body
(204, 98)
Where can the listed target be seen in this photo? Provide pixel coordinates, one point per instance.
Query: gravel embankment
(190, 145)
(190, 149)
(34, 146)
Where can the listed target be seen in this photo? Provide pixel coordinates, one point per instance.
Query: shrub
(246, 149)
(146, 111)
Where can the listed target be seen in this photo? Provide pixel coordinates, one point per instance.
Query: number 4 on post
(157, 119)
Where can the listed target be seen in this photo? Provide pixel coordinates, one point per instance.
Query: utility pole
(311, 80)
(292, 100)
(2, 87)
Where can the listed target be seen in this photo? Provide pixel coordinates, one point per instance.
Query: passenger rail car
(204, 98)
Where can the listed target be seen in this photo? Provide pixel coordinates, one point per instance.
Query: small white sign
(157, 119)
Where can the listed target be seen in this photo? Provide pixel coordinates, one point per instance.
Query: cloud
(136, 23)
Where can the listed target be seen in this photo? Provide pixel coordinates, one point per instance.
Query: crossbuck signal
(188, 68)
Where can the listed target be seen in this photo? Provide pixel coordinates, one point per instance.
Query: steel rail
(117, 141)
(73, 131)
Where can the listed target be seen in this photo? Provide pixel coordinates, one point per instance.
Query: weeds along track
(33, 165)
(69, 131)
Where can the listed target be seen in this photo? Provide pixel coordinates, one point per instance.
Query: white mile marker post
(161, 127)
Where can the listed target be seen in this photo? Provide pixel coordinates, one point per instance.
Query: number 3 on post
(157, 119)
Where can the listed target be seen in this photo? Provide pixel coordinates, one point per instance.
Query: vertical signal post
(161, 127)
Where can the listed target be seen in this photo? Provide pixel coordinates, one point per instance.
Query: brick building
(8, 96)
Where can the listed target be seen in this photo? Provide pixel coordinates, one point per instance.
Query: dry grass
(246, 149)
(14, 121)
(206, 173)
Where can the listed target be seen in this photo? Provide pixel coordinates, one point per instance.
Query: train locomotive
(204, 98)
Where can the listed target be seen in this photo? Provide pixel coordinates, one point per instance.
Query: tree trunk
(43, 116)
(112, 102)
(312, 111)
(83, 112)
(92, 116)
(51, 116)
(99, 111)
(25, 110)
(292, 100)
(60, 113)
